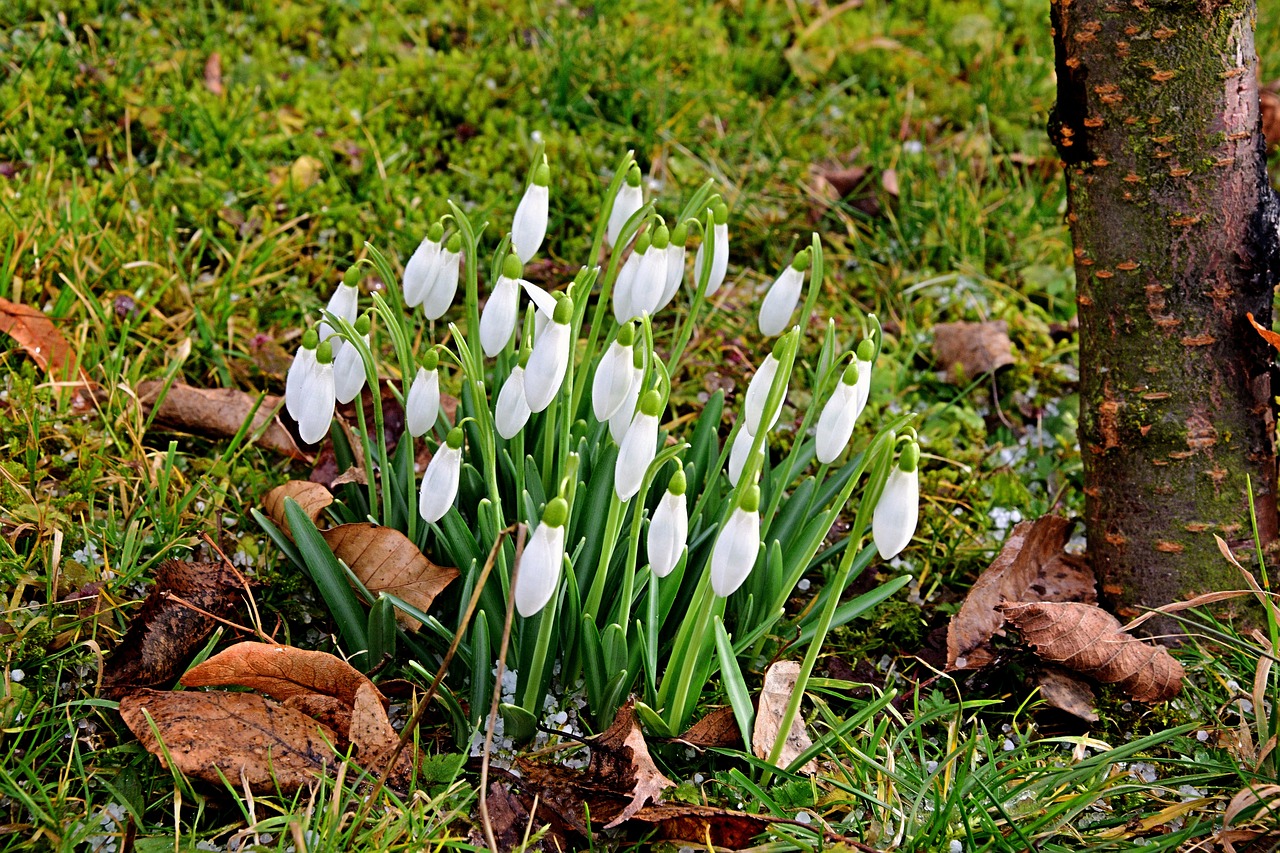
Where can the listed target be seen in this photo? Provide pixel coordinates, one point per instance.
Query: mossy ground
(168, 227)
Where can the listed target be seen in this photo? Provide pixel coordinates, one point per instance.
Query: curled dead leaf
(1253, 804)
(175, 620)
(621, 753)
(312, 497)
(218, 413)
(41, 341)
(281, 672)
(1088, 640)
(1267, 335)
(779, 684)
(1066, 692)
(386, 560)
(717, 729)
(965, 350)
(240, 735)
(327, 710)
(376, 741)
(1031, 566)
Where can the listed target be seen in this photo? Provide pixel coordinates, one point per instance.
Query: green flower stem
(815, 282)
(612, 527)
(622, 612)
(706, 605)
(370, 476)
(541, 652)
(700, 290)
(348, 332)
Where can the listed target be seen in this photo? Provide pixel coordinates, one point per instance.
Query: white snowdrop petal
(894, 521)
(623, 286)
(343, 302)
(864, 384)
(303, 363)
(511, 412)
(316, 404)
(612, 381)
(420, 271)
(348, 373)
(498, 320)
(547, 365)
(675, 274)
(650, 281)
(668, 534)
(440, 483)
(443, 287)
(780, 302)
(628, 201)
(540, 566)
(758, 395)
(422, 406)
(739, 453)
(530, 224)
(835, 424)
(620, 420)
(735, 552)
(545, 302)
(637, 449)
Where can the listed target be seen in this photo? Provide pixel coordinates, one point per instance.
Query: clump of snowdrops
(659, 551)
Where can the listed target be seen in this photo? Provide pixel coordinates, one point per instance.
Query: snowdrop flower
(620, 420)
(737, 546)
(422, 403)
(348, 366)
(316, 397)
(443, 287)
(440, 482)
(550, 358)
(498, 322)
(740, 453)
(675, 264)
(303, 363)
(343, 303)
(866, 355)
(544, 302)
(629, 199)
(511, 412)
(783, 296)
(651, 276)
(624, 284)
(758, 393)
(614, 375)
(542, 560)
(638, 447)
(669, 527)
(422, 268)
(530, 224)
(894, 521)
(835, 424)
(720, 259)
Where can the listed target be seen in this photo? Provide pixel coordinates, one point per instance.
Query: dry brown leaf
(280, 672)
(375, 740)
(327, 710)
(621, 753)
(311, 497)
(218, 413)
(1088, 640)
(243, 735)
(779, 684)
(1030, 567)
(167, 632)
(717, 729)
(508, 818)
(386, 560)
(1261, 801)
(702, 825)
(40, 340)
(213, 74)
(1066, 692)
(1267, 335)
(965, 350)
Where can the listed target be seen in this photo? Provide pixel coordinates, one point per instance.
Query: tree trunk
(1174, 223)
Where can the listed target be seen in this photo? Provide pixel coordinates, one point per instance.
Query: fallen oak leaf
(1031, 566)
(312, 497)
(281, 672)
(385, 560)
(1088, 640)
(167, 631)
(237, 735)
(41, 341)
(218, 413)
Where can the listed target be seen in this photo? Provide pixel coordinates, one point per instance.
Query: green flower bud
(637, 358)
(353, 276)
(651, 403)
(324, 353)
(721, 213)
(511, 267)
(542, 174)
(678, 483)
(363, 323)
(310, 338)
(633, 176)
(661, 237)
(643, 242)
(455, 243)
(850, 376)
(454, 439)
(680, 234)
(910, 457)
(436, 232)
(564, 310)
(750, 499)
(802, 260)
(432, 359)
(866, 349)
(556, 513)
(627, 334)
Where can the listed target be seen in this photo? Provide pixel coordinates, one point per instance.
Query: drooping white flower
(422, 403)
(620, 420)
(303, 363)
(630, 198)
(669, 527)
(720, 260)
(614, 375)
(835, 424)
(498, 320)
(894, 521)
(675, 265)
(651, 275)
(440, 482)
(544, 302)
(866, 355)
(316, 397)
(343, 303)
(758, 395)
(423, 266)
(740, 452)
(783, 296)
(443, 287)
(348, 366)
(624, 284)
(638, 447)
(542, 560)
(550, 358)
(737, 546)
(511, 412)
(530, 224)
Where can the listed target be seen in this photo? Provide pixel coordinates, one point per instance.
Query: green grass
(171, 229)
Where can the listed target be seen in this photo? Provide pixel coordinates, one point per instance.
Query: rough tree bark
(1174, 223)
